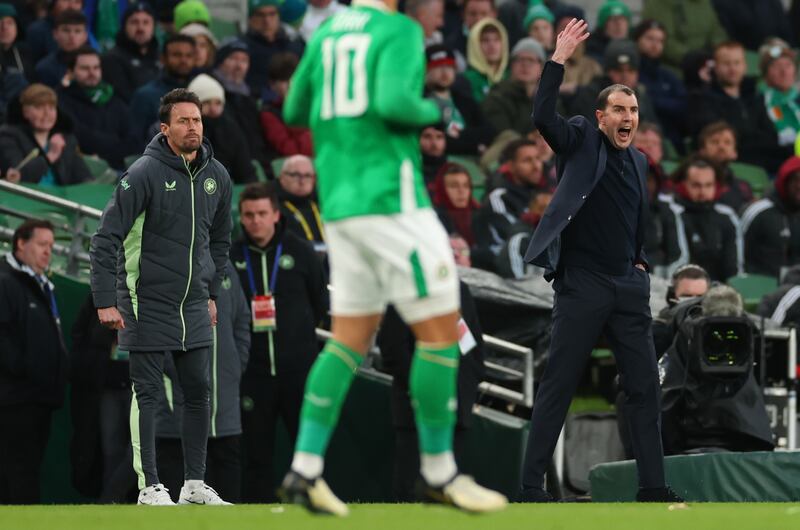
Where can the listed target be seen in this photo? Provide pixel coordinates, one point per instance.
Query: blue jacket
(581, 161)
(145, 102)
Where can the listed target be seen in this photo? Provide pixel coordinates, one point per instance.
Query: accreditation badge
(263, 310)
(466, 340)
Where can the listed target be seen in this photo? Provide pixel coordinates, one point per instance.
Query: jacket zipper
(191, 247)
(214, 396)
(271, 339)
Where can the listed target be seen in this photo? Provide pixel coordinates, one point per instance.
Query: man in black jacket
(33, 361)
(590, 242)
(286, 288)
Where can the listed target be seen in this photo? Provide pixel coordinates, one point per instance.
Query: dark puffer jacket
(161, 247)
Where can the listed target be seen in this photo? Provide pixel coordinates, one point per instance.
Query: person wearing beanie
(467, 129)
(487, 56)
(101, 119)
(266, 35)
(778, 64)
(190, 12)
(538, 24)
(230, 146)
(509, 103)
(433, 147)
(613, 23)
(134, 60)
(14, 54)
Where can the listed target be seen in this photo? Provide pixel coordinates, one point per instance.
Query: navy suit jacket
(581, 162)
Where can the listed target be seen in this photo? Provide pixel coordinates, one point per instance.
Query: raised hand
(569, 39)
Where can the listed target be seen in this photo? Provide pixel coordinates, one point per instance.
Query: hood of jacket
(475, 57)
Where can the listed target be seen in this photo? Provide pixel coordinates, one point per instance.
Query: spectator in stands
(650, 141)
(621, 67)
(664, 89)
(690, 24)
(230, 146)
(281, 139)
(318, 12)
(190, 12)
(298, 204)
(711, 230)
(472, 12)
(70, 34)
(661, 239)
(697, 68)
(779, 88)
(100, 404)
(231, 348)
(36, 146)
(733, 98)
(467, 129)
(39, 35)
(430, 15)
(453, 201)
(282, 277)
(487, 56)
(751, 23)
(266, 36)
(433, 146)
(33, 361)
(613, 23)
(178, 59)
(233, 62)
(510, 262)
(538, 24)
(771, 226)
(205, 45)
(14, 54)
(717, 143)
(579, 69)
(101, 120)
(781, 305)
(510, 102)
(134, 60)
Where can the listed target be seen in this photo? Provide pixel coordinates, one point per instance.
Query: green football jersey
(359, 88)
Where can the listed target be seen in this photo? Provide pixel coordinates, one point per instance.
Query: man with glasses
(297, 195)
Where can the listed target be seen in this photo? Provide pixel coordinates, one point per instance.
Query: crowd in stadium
(717, 88)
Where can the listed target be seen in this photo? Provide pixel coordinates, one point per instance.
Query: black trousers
(264, 401)
(147, 372)
(24, 431)
(587, 304)
(223, 466)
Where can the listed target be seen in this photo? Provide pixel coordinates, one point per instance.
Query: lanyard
(273, 282)
(300, 219)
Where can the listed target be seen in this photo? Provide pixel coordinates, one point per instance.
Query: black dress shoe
(664, 494)
(535, 495)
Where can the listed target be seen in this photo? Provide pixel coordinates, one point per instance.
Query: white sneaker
(465, 494)
(205, 494)
(314, 495)
(156, 495)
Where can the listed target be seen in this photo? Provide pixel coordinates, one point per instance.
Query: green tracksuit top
(359, 89)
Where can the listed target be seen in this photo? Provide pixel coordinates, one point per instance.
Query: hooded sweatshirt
(480, 74)
(453, 218)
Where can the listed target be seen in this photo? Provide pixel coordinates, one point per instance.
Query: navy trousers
(588, 304)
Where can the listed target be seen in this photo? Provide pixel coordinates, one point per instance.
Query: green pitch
(406, 517)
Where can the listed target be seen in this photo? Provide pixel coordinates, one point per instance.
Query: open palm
(570, 37)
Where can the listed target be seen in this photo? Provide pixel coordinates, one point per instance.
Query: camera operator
(688, 282)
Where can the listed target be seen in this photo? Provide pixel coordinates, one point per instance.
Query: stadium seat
(130, 159)
(101, 172)
(277, 165)
(261, 175)
(669, 166)
(753, 287)
(754, 175)
(752, 60)
(223, 29)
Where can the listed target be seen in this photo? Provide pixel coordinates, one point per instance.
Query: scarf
(461, 217)
(101, 94)
(784, 112)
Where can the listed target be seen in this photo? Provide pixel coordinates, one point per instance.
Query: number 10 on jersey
(344, 85)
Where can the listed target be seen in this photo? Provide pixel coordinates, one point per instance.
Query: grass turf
(410, 516)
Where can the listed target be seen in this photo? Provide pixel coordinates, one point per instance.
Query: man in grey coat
(229, 355)
(158, 259)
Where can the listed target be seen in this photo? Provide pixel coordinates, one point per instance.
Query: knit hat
(529, 45)
(537, 11)
(194, 29)
(292, 11)
(567, 11)
(206, 88)
(8, 10)
(773, 49)
(619, 53)
(612, 8)
(230, 46)
(439, 55)
(190, 11)
(137, 7)
(253, 5)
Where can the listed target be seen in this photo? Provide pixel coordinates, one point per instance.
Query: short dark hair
(260, 190)
(281, 66)
(645, 26)
(72, 59)
(697, 162)
(648, 126)
(511, 150)
(70, 17)
(712, 129)
(171, 98)
(451, 168)
(177, 37)
(602, 97)
(24, 232)
(690, 271)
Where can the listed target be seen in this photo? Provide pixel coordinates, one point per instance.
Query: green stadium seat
(101, 172)
(471, 164)
(753, 287)
(669, 166)
(754, 175)
(752, 60)
(223, 29)
(277, 165)
(130, 159)
(261, 175)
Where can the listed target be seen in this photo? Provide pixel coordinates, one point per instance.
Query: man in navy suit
(589, 242)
